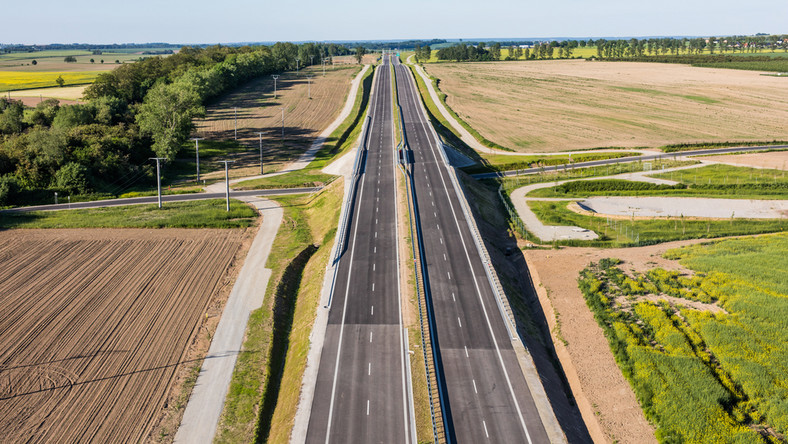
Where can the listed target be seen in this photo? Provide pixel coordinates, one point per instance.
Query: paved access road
(361, 388)
(644, 158)
(166, 198)
(485, 396)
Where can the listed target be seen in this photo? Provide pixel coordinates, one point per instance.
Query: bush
(9, 188)
(73, 178)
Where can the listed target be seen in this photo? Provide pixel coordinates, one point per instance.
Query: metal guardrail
(489, 270)
(519, 225)
(430, 359)
(344, 222)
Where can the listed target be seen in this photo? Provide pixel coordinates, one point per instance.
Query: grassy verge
(197, 214)
(421, 397)
(678, 147)
(441, 125)
(395, 108)
(626, 233)
(717, 346)
(481, 139)
(502, 162)
(341, 140)
(264, 390)
(511, 183)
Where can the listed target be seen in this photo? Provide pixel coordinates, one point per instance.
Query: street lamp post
(275, 76)
(197, 151)
(261, 152)
(227, 182)
(158, 176)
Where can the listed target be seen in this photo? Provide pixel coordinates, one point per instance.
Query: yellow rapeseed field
(16, 80)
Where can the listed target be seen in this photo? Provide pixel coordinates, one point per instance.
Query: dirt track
(96, 323)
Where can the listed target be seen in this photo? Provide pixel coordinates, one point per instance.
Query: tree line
(134, 112)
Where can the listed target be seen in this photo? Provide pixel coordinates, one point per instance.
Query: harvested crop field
(96, 327)
(561, 105)
(259, 111)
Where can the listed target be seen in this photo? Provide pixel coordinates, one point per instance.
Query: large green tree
(166, 115)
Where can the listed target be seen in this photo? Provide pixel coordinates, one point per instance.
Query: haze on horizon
(203, 21)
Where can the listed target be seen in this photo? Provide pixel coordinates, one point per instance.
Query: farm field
(776, 160)
(560, 105)
(97, 327)
(258, 111)
(711, 335)
(18, 80)
(31, 97)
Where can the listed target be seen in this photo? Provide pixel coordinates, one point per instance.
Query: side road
(207, 399)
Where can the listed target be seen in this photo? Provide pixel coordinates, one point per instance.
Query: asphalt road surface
(485, 397)
(645, 158)
(164, 199)
(361, 389)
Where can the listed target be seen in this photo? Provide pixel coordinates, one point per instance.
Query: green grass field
(729, 368)
(627, 233)
(709, 181)
(197, 214)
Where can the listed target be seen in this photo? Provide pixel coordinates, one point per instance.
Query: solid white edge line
(344, 305)
(475, 281)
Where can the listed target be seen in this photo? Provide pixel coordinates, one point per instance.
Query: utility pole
(311, 60)
(158, 175)
(261, 152)
(235, 109)
(325, 59)
(227, 182)
(309, 85)
(297, 60)
(197, 151)
(275, 76)
(283, 124)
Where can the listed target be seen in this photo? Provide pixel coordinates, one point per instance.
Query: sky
(232, 21)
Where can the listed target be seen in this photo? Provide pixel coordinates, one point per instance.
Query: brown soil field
(98, 326)
(777, 160)
(605, 398)
(258, 111)
(561, 105)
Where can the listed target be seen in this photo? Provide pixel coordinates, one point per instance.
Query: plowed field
(96, 323)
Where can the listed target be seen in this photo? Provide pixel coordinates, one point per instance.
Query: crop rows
(95, 326)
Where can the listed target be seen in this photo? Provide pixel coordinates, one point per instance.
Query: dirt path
(605, 398)
(207, 399)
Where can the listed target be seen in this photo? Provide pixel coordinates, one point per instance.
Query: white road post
(227, 182)
(197, 151)
(261, 151)
(158, 176)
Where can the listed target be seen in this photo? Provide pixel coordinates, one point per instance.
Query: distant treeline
(134, 112)
(83, 46)
(408, 44)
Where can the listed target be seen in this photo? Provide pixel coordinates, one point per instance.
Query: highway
(485, 397)
(644, 158)
(360, 395)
